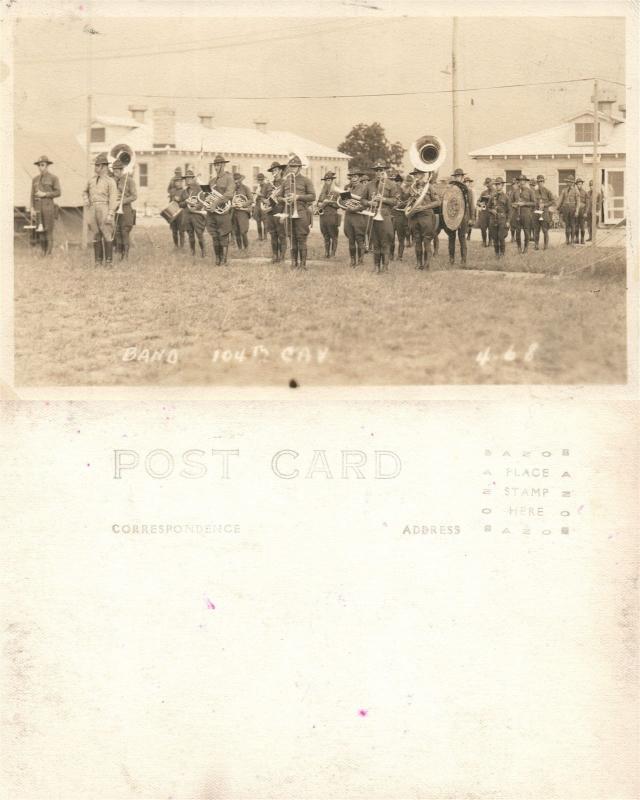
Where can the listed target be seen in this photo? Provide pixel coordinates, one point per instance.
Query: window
(584, 132)
(143, 174)
(563, 174)
(256, 170)
(511, 175)
(98, 135)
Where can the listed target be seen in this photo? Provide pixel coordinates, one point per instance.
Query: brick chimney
(206, 118)
(261, 125)
(138, 112)
(164, 127)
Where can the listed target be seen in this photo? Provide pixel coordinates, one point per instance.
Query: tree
(366, 144)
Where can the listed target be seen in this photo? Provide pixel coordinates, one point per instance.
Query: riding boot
(274, 252)
(419, 262)
(327, 248)
(224, 251)
(98, 254)
(125, 252)
(426, 255)
(334, 245)
(581, 237)
(546, 240)
(376, 262)
(245, 241)
(175, 237)
(217, 251)
(108, 253)
(202, 250)
(43, 243)
(294, 256)
(192, 248)
(303, 257)
(360, 251)
(181, 239)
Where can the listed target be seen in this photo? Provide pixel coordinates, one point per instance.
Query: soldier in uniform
(523, 201)
(398, 217)
(275, 223)
(483, 213)
(240, 213)
(100, 198)
(219, 225)
(567, 209)
(380, 195)
(499, 206)
(468, 182)
(299, 194)
(44, 188)
(422, 218)
(533, 185)
(439, 187)
(175, 183)
(124, 221)
(263, 188)
(461, 233)
(580, 211)
(542, 214)
(178, 224)
(329, 215)
(589, 208)
(355, 224)
(193, 213)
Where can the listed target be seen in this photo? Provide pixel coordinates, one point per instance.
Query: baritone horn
(428, 153)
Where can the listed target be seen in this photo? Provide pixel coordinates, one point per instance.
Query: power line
(348, 96)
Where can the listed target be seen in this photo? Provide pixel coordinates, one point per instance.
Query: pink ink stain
(210, 605)
(363, 712)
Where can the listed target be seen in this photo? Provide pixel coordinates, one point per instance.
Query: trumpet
(210, 201)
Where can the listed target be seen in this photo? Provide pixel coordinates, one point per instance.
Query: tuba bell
(428, 153)
(124, 154)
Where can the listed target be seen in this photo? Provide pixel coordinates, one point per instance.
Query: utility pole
(595, 187)
(454, 87)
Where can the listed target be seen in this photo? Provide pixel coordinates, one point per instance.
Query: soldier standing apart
(219, 225)
(259, 214)
(299, 194)
(380, 196)
(468, 182)
(398, 217)
(100, 198)
(461, 233)
(580, 211)
(499, 206)
(178, 224)
(330, 217)
(542, 214)
(422, 219)
(567, 209)
(483, 213)
(241, 212)
(193, 213)
(44, 188)
(127, 219)
(524, 202)
(355, 223)
(275, 223)
(589, 208)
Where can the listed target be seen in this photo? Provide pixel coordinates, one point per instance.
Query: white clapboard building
(564, 151)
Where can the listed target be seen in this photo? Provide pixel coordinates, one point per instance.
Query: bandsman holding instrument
(176, 182)
(542, 213)
(499, 207)
(483, 212)
(523, 201)
(468, 182)
(469, 214)
(299, 194)
(328, 213)
(222, 188)
(513, 221)
(241, 211)
(44, 188)
(580, 211)
(273, 204)
(379, 196)
(125, 217)
(398, 217)
(100, 199)
(420, 211)
(193, 212)
(259, 214)
(355, 223)
(177, 224)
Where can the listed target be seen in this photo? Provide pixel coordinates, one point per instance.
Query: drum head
(453, 207)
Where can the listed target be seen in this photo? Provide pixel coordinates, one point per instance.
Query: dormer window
(98, 135)
(584, 132)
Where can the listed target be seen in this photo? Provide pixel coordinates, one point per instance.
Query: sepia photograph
(243, 201)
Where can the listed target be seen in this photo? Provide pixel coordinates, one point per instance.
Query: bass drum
(454, 206)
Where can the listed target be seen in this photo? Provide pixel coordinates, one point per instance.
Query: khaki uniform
(240, 218)
(275, 224)
(329, 219)
(101, 197)
(541, 222)
(355, 226)
(298, 229)
(193, 222)
(219, 225)
(126, 220)
(424, 224)
(499, 206)
(400, 223)
(381, 231)
(259, 214)
(522, 213)
(44, 207)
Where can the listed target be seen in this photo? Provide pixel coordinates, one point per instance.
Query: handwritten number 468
(485, 357)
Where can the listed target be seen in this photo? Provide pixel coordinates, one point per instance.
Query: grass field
(163, 318)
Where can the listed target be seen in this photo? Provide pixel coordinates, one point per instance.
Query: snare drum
(171, 212)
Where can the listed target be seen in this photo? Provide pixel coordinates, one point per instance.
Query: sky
(180, 58)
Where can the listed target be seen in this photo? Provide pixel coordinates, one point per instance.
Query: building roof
(555, 141)
(68, 164)
(193, 137)
(121, 122)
